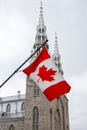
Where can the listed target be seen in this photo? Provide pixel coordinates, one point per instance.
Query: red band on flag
(57, 90)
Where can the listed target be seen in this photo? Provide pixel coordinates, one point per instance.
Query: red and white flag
(46, 75)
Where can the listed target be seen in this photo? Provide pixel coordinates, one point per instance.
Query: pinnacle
(41, 19)
(56, 55)
(56, 49)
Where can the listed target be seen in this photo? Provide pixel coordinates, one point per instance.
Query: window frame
(35, 125)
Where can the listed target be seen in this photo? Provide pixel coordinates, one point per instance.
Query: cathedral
(33, 111)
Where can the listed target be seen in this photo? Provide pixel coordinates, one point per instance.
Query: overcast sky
(18, 22)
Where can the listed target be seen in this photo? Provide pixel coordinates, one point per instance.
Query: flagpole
(24, 63)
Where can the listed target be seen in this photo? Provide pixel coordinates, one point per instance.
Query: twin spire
(41, 37)
(56, 56)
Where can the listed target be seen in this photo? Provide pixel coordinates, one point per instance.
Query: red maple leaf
(45, 74)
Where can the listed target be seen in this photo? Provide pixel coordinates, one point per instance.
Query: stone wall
(18, 123)
(52, 115)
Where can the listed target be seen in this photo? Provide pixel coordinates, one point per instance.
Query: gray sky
(18, 21)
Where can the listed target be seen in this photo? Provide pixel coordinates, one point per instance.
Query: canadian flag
(46, 75)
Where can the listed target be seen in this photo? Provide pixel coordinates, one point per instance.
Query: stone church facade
(33, 111)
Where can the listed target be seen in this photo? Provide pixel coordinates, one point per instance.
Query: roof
(12, 98)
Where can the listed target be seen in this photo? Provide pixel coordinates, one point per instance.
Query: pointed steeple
(41, 31)
(41, 19)
(56, 56)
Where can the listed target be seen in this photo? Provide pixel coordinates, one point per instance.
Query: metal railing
(5, 115)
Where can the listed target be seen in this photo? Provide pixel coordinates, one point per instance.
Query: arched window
(42, 30)
(8, 108)
(36, 91)
(39, 38)
(35, 118)
(59, 65)
(63, 113)
(39, 30)
(57, 120)
(50, 118)
(11, 127)
(43, 37)
(22, 106)
(55, 58)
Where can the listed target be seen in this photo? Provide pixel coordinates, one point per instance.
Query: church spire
(41, 31)
(56, 56)
(41, 19)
